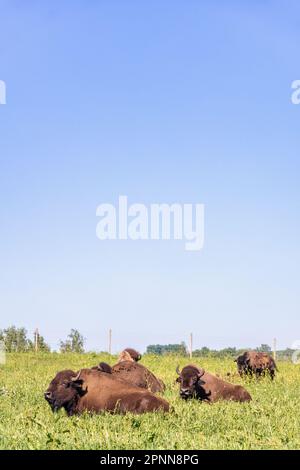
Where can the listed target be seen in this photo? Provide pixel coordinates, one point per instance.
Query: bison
(130, 354)
(256, 363)
(196, 383)
(95, 391)
(135, 374)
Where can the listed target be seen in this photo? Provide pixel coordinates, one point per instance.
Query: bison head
(190, 381)
(64, 390)
(135, 355)
(241, 360)
(103, 367)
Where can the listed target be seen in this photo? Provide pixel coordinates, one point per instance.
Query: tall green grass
(270, 421)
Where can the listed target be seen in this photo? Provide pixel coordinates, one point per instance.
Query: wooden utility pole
(109, 341)
(191, 345)
(36, 340)
(274, 348)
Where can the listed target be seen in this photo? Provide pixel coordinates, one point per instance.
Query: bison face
(64, 390)
(190, 381)
(241, 362)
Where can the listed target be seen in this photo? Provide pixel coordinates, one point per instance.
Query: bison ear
(79, 386)
(103, 367)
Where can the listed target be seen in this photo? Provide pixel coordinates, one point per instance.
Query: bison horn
(77, 377)
(177, 370)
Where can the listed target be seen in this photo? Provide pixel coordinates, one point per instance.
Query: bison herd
(128, 386)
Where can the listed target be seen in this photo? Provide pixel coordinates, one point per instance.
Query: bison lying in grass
(256, 363)
(196, 383)
(95, 391)
(135, 374)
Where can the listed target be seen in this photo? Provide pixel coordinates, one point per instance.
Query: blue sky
(164, 102)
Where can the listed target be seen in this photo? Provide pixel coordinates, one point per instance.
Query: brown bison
(91, 390)
(135, 374)
(256, 363)
(130, 354)
(196, 383)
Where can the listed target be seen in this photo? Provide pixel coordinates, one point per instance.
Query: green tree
(203, 352)
(161, 349)
(15, 339)
(41, 344)
(264, 348)
(231, 352)
(74, 343)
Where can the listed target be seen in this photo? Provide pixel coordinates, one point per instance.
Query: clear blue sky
(167, 101)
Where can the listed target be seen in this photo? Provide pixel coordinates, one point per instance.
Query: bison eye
(66, 384)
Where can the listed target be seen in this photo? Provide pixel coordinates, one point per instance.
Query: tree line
(231, 352)
(16, 340)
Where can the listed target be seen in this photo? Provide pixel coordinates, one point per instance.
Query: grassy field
(270, 421)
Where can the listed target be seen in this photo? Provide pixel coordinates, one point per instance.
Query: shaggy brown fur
(256, 363)
(125, 356)
(135, 374)
(134, 354)
(95, 391)
(195, 382)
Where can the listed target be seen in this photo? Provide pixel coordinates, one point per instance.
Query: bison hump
(125, 366)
